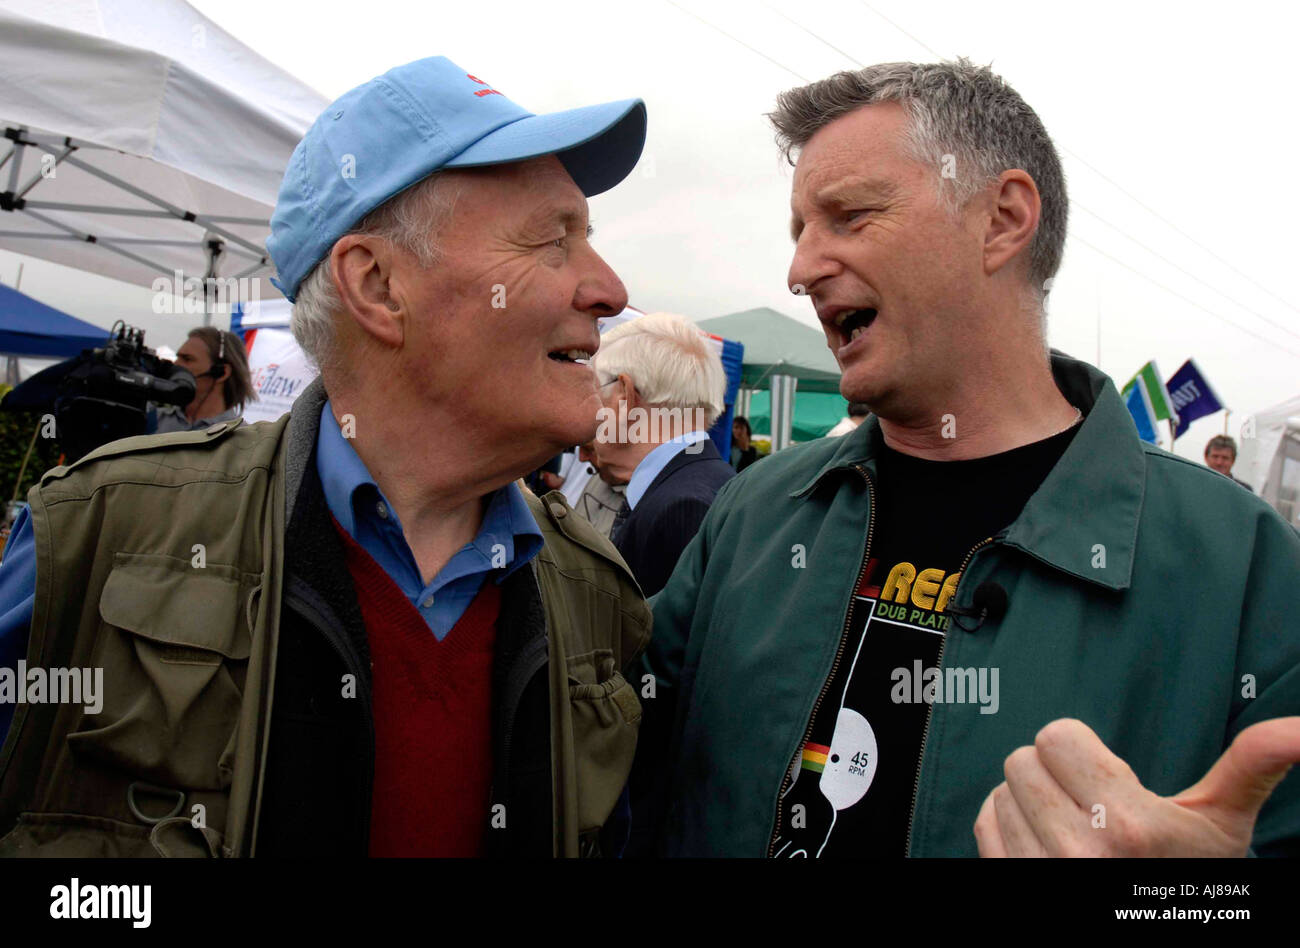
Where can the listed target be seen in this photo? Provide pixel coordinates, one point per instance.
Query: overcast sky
(1176, 126)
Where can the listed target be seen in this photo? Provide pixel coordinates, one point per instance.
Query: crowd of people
(983, 619)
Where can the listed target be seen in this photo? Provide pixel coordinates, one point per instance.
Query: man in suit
(661, 387)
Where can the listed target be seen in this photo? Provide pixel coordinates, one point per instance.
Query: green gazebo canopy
(776, 344)
(815, 413)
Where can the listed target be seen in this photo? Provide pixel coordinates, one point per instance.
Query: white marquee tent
(142, 142)
(1269, 457)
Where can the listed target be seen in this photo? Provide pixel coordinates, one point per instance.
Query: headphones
(215, 370)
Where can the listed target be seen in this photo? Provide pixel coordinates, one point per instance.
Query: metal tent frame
(214, 240)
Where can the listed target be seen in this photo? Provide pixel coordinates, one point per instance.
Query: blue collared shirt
(656, 461)
(508, 538)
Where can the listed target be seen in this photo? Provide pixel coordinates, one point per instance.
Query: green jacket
(200, 571)
(1143, 591)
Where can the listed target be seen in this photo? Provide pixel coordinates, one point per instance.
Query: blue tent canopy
(30, 328)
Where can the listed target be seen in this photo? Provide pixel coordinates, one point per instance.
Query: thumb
(1240, 781)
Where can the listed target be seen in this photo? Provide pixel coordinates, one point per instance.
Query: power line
(737, 39)
(1186, 299)
(1184, 270)
(847, 56)
(1179, 231)
(914, 39)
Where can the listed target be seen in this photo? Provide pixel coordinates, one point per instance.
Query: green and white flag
(1162, 406)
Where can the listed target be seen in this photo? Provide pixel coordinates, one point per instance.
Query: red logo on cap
(488, 91)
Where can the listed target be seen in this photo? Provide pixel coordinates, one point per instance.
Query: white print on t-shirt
(851, 764)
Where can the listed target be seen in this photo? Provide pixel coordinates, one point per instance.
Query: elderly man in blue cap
(349, 631)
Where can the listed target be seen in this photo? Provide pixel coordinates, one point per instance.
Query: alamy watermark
(650, 425)
(946, 686)
(36, 685)
(76, 900)
(195, 296)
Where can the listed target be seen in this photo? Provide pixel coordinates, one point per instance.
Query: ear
(362, 269)
(634, 398)
(1013, 220)
(225, 373)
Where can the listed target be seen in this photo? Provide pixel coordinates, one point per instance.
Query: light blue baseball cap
(395, 130)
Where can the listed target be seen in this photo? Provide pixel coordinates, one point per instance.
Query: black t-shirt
(855, 776)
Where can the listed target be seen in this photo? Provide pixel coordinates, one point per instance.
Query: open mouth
(576, 356)
(854, 322)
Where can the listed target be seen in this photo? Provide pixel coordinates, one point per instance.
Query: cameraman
(219, 364)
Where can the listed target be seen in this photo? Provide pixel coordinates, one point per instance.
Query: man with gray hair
(352, 633)
(662, 386)
(990, 619)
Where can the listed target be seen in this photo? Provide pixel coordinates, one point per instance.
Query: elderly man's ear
(630, 393)
(363, 270)
(1013, 218)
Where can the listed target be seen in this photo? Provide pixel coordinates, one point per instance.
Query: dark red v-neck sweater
(432, 705)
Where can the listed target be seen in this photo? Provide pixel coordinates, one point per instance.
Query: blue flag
(1144, 416)
(1192, 396)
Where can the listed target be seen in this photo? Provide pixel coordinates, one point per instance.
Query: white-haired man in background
(662, 387)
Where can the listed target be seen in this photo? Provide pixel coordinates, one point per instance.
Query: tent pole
(98, 241)
(136, 212)
(189, 216)
(14, 169)
(216, 247)
(207, 282)
(782, 388)
(43, 174)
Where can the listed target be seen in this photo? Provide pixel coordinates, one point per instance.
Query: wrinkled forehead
(870, 140)
(860, 159)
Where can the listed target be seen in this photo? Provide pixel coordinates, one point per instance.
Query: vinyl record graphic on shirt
(851, 764)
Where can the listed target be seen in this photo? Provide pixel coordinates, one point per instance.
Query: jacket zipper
(839, 654)
(929, 712)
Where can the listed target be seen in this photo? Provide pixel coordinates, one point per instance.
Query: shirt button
(381, 508)
(428, 603)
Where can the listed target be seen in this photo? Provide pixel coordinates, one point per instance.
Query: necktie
(619, 517)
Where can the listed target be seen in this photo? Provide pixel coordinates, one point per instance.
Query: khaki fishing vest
(160, 560)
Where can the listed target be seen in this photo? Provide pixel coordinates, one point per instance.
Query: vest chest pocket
(173, 644)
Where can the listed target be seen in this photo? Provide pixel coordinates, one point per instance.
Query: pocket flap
(169, 601)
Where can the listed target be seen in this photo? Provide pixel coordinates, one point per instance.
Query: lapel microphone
(990, 602)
